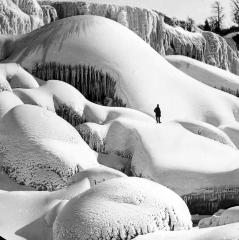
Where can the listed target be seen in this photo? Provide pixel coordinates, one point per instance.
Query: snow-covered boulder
(121, 208)
(40, 149)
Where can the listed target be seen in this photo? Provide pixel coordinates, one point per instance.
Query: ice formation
(49, 14)
(30, 140)
(121, 208)
(20, 16)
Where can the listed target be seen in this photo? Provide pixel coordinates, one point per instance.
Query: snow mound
(210, 75)
(40, 149)
(121, 208)
(223, 217)
(152, 28)
(17, 76)
(229, 232)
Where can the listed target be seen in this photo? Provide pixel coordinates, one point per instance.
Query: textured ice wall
(19, 16)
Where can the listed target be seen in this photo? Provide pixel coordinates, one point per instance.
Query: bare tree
(219, 15)
(235, 11)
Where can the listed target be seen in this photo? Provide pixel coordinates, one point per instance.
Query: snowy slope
(210, 75)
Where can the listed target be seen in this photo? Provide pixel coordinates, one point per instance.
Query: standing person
(157, 113)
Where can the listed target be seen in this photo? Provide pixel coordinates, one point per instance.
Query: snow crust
(121, 208)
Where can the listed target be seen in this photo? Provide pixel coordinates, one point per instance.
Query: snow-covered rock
(121, 208)
(40, 149)
(20, 16)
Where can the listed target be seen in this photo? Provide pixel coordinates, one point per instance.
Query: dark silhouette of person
(157, 113)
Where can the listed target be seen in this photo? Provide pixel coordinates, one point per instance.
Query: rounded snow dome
(40, 149)
(122, 208)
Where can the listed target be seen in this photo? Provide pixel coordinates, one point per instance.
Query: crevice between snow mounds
(95, 85)
(208, 201)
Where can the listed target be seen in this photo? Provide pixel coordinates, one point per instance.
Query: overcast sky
(199, 10)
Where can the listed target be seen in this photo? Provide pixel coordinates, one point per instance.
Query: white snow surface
(121, 208)
(134, 135)
(222, 217)
(40, 149)
(208, 74)
(90, 40)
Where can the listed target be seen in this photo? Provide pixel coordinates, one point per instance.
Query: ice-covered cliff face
(150, 26)
(49, 14)
(20, 16)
